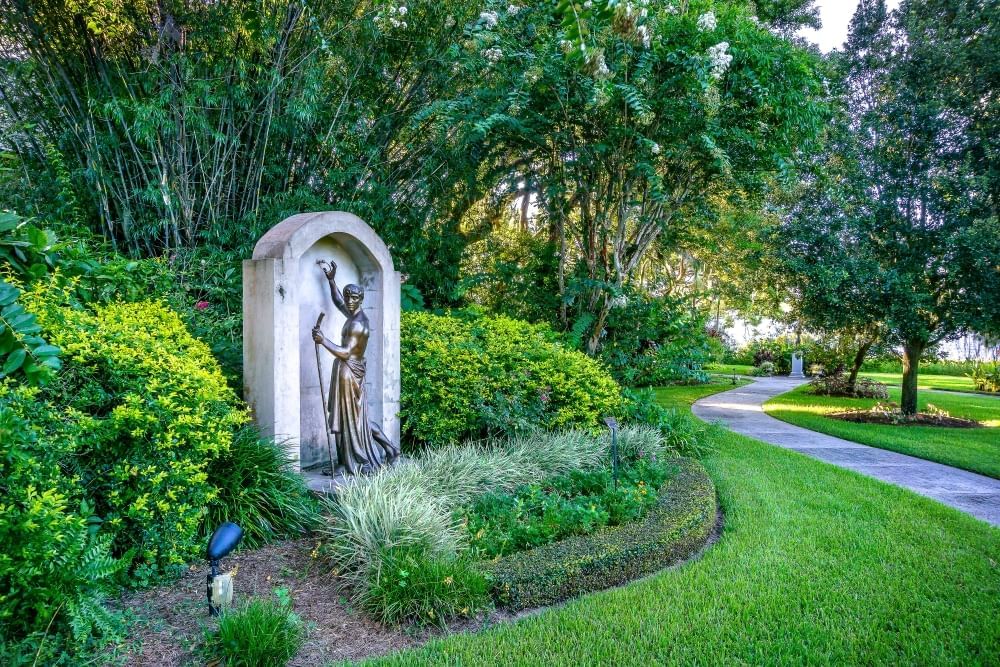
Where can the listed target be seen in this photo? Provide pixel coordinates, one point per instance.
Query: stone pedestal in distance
(284, 291)
(796, 366)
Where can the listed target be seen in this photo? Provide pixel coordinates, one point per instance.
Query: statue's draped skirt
(349, 417)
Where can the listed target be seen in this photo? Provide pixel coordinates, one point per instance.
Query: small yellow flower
(449, 580)
(465, 611)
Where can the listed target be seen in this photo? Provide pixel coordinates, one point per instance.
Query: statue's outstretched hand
(317, 335)
(329, 268)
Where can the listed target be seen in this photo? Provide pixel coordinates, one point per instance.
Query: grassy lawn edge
(816, 564)
(975, 450)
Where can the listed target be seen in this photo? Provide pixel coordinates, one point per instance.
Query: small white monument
(284, 291)
(796, 366)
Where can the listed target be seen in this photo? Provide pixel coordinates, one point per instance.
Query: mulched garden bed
(891, 419)
(171, 621)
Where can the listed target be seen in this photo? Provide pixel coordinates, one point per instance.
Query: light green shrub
(55, 564)
(149, 409)
(465, 377)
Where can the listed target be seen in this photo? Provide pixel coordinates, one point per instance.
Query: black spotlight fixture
(220, 588)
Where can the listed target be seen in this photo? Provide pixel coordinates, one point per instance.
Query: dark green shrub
(259, 490)
(676, 528)
(685, 435)
(261, 633)
(410, 584)
(656, 340)
(837, 385)
(575, 504)
(471, 377)
(55, 565)
(149, 409)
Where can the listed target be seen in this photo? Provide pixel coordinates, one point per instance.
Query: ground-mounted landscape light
(612, 425)
(220, 586)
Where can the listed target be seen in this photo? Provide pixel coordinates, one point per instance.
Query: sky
(836, 16)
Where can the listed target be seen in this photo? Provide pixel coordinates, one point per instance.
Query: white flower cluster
(514, 10)
(671, 8)
(707, 22)
(493, 54)
(655, 148)
(719, 59)
(619, 301)
(393, 19)
(644, 35)
(628, 21)
(489, 19)
(600, 67)
(450, 22)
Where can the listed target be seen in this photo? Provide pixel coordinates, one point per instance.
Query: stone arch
(284, 291)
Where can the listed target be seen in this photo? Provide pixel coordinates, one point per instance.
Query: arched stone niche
(284, 291)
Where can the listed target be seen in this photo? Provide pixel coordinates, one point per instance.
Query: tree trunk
(859, 359)
(912, 350)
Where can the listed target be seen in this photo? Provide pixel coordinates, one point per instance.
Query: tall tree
(632, 131)
(908, 229)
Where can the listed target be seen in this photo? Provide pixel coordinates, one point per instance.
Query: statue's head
(353, 296)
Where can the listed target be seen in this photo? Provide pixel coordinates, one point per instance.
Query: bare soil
(172, 621)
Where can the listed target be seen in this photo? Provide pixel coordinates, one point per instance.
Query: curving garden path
(740, 410)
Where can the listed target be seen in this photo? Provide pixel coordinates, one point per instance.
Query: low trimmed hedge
(674, 530)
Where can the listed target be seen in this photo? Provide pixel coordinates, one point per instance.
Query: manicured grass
(927, 381)
(739, 369)
(681, 397)
(816, 565)
(977, 450)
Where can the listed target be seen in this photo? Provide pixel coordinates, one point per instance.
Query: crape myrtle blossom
(489, 19)
(493, 54)
(719, 59)
(393, 19)
(706, 22)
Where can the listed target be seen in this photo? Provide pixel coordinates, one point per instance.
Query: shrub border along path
(741, 411)
(674, 530)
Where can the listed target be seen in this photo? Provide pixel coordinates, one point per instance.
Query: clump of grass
(261, 633)
(259, 490)
(409, 584)
(414, 503)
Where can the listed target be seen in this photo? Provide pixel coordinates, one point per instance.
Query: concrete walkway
(740, 410)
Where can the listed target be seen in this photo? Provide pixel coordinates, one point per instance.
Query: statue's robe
(348, 412)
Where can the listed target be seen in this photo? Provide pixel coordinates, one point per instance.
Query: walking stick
(326, 413)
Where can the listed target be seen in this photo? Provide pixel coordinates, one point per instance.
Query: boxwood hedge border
(675, 529)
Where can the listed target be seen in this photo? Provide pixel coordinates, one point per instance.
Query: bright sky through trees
(836, 16)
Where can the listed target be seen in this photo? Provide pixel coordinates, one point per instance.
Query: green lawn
(971, 449)
(682, 396)
(739, 369)
(816, 565)
(926, 381)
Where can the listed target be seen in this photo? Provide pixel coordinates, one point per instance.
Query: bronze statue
(362, 447)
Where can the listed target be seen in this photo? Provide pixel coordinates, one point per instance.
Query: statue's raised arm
(330, 271)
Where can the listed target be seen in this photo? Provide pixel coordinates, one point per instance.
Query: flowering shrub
(149, 410)
(470, 377)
